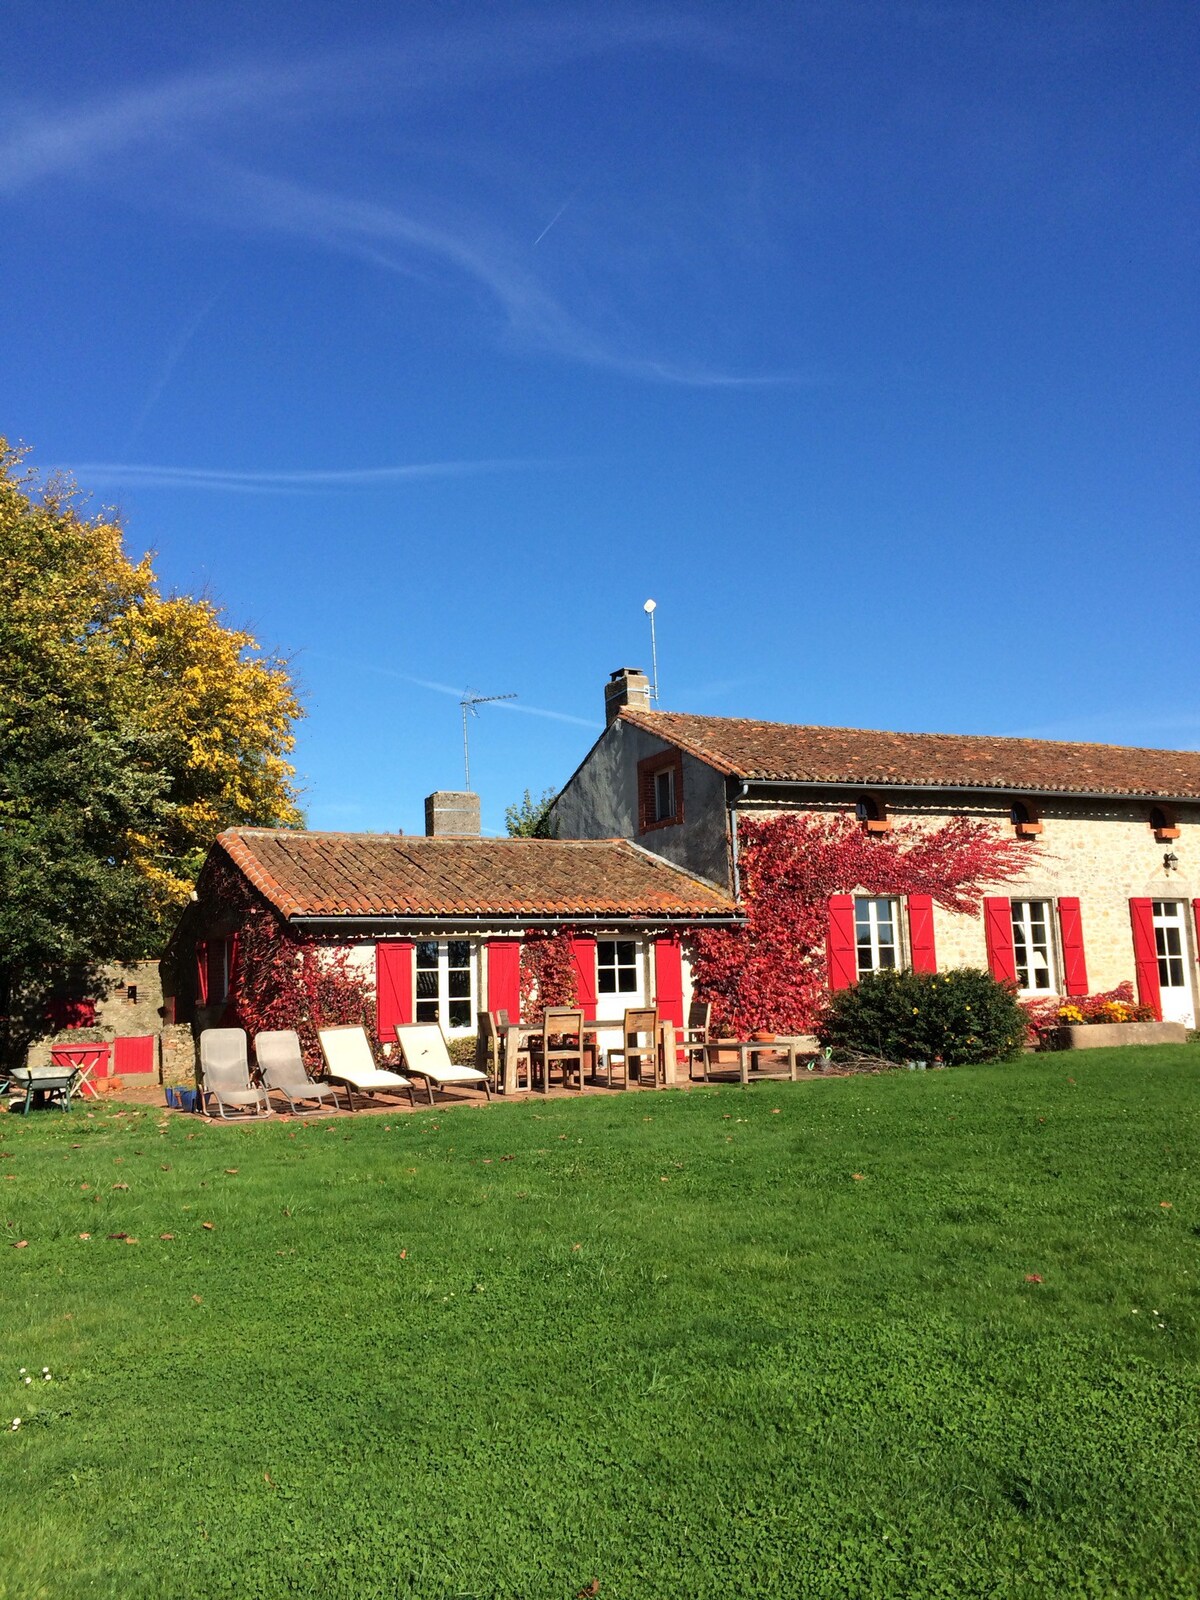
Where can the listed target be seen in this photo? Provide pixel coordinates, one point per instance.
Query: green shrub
(958, 1016)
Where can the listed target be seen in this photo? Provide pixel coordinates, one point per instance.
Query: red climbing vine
(547, 972)
(281, 979)
(771, 972)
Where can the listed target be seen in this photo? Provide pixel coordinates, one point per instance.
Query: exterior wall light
(1170, 861)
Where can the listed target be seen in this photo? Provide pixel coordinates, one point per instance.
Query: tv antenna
(650, 608)
(468, 703)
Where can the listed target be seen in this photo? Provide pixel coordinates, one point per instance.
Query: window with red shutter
(998, 932)
(1145, 954)
(922, 948)
(393, 987)
(1070, 927)
(840, 946)
(504, 977)
(668, 979)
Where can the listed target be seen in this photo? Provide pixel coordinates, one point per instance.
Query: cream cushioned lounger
(348, 1060)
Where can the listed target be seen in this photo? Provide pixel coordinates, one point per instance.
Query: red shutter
(201, 972)
(1145, 954)
(843, 957)
(393, 987)
(668, 979)
(921, 946)
(997, 929)
(230, 1016)
(1196, 914)
(1070, 925)
(583, 959)
(504, 977)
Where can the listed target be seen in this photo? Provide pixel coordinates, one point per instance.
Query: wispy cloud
(39, 143)
(520, 707)
(173, 357)
(231, 480)
(395, 239)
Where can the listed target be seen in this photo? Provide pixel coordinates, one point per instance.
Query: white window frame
(1170, 916)
(664, 776)
(444, 997)
(1021, 913)
(874, 944)
(616, 967)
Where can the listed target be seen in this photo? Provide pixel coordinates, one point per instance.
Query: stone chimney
(627, 686)
(452, 814)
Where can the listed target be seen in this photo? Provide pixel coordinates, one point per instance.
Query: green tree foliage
(954, 1017)
(531, 819)
(133, 728)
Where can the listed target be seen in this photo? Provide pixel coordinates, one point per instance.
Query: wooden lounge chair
(639, 1033)
(564, 1024)
(281, 1064)
(225, 1073)
(349, 1061)
(423, 1045)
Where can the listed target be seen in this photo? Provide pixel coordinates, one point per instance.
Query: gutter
(478, 921)
(890, 784)
(733, 836)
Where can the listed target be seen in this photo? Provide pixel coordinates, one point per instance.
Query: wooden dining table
(516, 1037)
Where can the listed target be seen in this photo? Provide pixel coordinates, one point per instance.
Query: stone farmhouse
(1113, 895)
(647, 852)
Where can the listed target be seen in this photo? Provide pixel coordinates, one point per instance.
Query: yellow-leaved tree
(134, 727)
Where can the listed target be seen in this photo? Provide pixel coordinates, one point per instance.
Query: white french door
(1174, 966)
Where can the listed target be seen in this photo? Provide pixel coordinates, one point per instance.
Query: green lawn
(782, 1341)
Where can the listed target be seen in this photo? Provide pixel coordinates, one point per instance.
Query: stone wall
(1104, 852)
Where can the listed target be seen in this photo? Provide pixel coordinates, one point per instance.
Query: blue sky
(432, 340)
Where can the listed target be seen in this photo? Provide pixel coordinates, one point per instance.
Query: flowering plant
(1113, 1005)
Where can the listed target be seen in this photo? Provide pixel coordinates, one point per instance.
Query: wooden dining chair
(562, 1044)
(491, 1047)
(639, 1047)
(694, 1035)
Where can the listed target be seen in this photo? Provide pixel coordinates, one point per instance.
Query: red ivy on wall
(283, 980)
(547, 972)
(286, 982)
(771, 972)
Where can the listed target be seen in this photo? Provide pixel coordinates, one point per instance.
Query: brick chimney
(452, 814)
(627, 686)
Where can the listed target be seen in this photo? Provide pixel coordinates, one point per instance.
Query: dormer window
(660, 790)
(872, 813)
(1164, 824)
(1025, 820)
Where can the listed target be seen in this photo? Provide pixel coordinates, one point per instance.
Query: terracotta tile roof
(788, 753)
(401, 875)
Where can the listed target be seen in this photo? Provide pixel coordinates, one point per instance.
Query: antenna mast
(649, 608)
(468, 703)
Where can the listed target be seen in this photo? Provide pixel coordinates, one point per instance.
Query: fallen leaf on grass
(588, 1590)
(859, 1177)
(20, 1244)
(269, 1480)
(207, 1226)
(775, 1112)
(576, 1247)
(120, 1186)
(508, 1158)
(165, 1167)
(129, 1239)
(166, 1236)
(404, 1255)
(118, 1236)
(85, 1236)
(231, 1172)
(1034, 1277)
(198, 1299)
(1167, 1205)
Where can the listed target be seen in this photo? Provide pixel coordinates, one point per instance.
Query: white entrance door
(620, 982)
(1174, 977)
